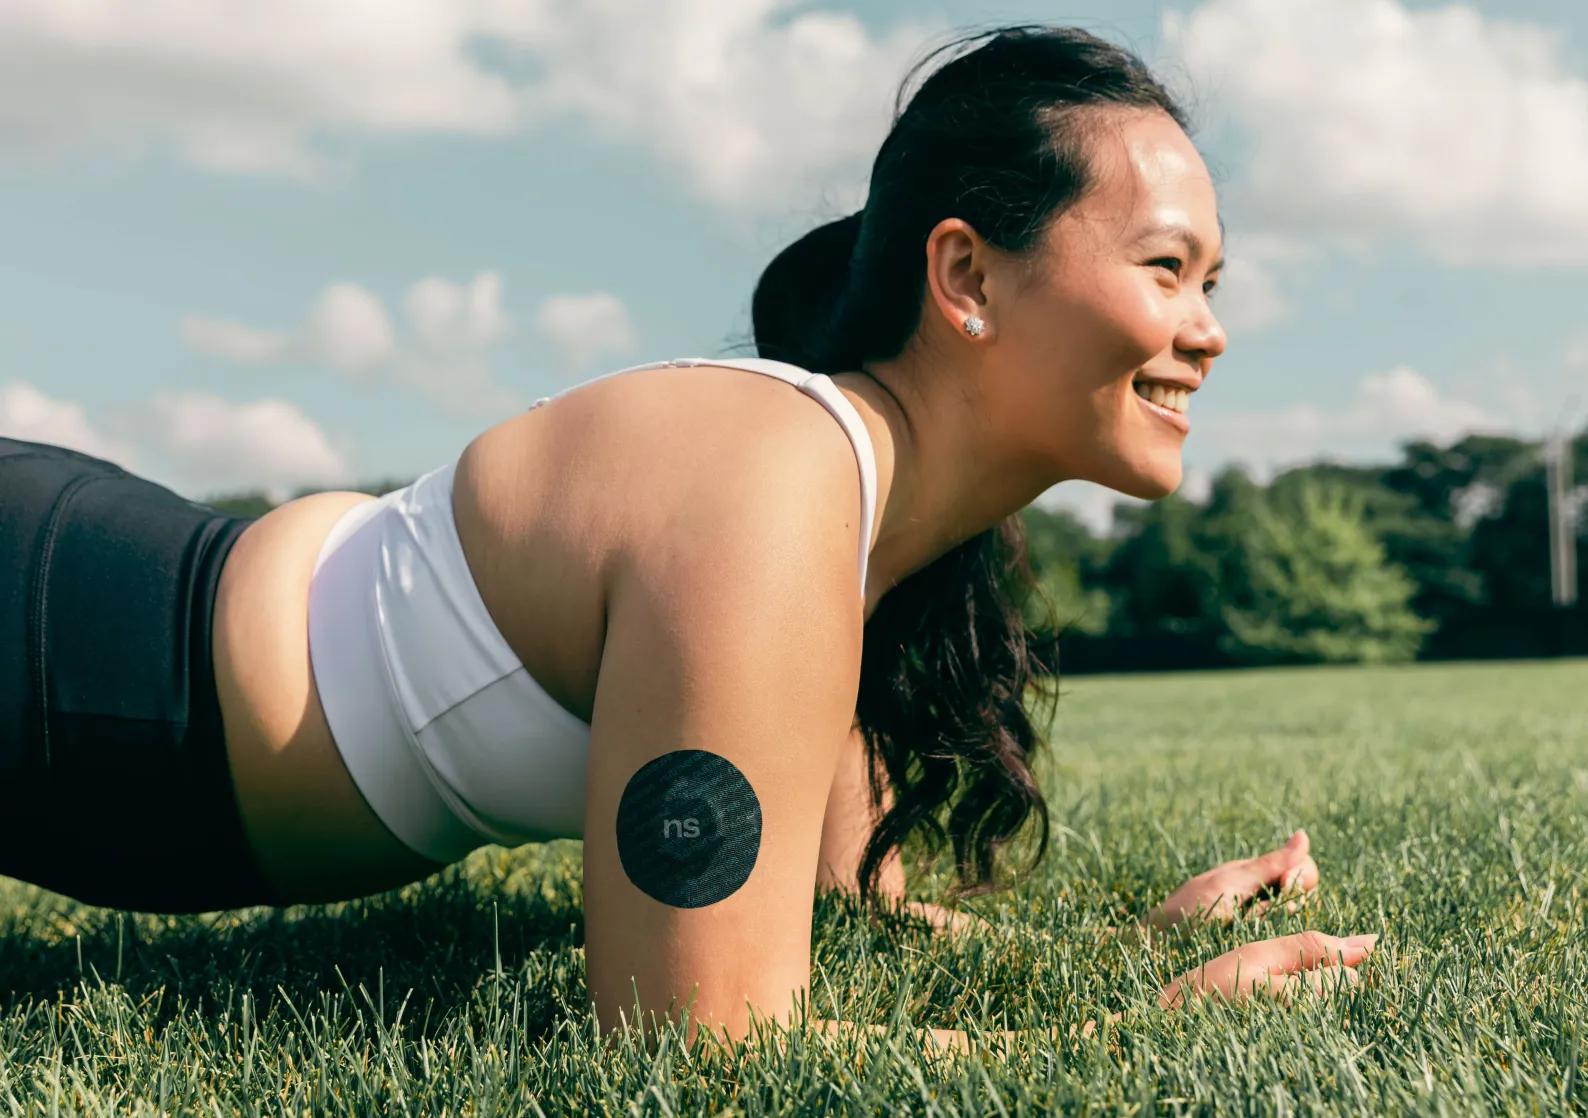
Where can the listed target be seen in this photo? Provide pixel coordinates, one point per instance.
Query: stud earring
(974, 326)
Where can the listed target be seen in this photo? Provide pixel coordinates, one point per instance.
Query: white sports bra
(450, 741)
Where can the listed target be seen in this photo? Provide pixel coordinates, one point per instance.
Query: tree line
(1444, 554)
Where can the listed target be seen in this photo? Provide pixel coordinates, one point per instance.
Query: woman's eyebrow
(1194, 244)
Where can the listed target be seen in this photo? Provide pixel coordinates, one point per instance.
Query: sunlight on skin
(1111, 298)
(1120, 292)
(1285, 875)
(1281, 968)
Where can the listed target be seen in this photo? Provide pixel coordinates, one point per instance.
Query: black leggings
(114, 782)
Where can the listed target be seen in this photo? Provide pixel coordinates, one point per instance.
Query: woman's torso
(551, 507)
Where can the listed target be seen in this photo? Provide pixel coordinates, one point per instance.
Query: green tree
(243, 504)
(1064, 557)
(1230, 519)
(1512, 547)
(1453, 490)
(1416, 511)
(1318, 587)
(1159, 575)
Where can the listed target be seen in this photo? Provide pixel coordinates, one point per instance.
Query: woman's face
(1119, 294)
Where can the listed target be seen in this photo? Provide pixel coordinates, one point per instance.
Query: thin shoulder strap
(818, 385)
(821, 386)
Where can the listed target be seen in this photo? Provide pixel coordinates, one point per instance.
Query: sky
(318, 242)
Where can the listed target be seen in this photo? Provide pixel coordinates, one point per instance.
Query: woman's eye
(1173, 263)
(1210, 288)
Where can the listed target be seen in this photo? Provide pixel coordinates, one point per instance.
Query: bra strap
(818, 385)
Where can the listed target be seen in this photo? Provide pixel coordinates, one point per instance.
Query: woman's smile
(1165, 410)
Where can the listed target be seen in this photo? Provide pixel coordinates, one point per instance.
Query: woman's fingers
(1294, 889)
(945, 920)
(1322, 982)
(1287, 867)
(1284, 866)
(1260, 965)
(1284, 875)
(1306, 950)
(1286, 870)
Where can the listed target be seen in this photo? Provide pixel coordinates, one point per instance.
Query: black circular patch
(689, 829)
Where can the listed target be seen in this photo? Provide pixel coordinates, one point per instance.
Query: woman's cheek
(1150, 316)
(1115, 320)
(1137, 324)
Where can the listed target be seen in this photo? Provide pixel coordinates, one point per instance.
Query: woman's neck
(944, 474)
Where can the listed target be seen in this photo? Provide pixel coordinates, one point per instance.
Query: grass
(1446, 808)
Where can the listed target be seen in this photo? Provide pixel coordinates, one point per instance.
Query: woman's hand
(952, 921)
(1278, 967)
(1287, 873)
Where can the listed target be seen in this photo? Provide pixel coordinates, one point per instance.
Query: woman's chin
(1150, 483)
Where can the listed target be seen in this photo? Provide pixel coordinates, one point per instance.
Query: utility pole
(1562, 521)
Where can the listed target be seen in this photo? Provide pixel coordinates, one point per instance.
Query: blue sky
(310, 243)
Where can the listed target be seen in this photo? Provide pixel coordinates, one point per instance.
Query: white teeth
(1175, 399)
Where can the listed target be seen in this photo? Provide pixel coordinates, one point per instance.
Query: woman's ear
(956, 275)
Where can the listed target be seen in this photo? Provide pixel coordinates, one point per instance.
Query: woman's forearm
(847, 825)
(846, 828)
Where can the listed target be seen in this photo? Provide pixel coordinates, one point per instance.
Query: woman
(630, 615)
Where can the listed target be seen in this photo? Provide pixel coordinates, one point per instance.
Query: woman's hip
(114, 784)
(310, 829)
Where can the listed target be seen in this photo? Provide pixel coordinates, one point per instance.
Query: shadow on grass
(497, 912)
(501, 926)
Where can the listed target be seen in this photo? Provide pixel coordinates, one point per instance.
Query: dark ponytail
(800, 290)
(999, 137)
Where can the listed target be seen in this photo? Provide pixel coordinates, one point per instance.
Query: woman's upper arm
(726, 693)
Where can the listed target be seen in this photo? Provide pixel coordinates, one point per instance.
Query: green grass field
(1446, 808)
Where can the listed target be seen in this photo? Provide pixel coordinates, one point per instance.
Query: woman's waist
(311, 831)
(449, 739)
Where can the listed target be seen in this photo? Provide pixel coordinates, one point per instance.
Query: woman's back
(632, 478)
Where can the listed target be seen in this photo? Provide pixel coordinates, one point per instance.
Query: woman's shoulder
(693, 487)
(658, 457)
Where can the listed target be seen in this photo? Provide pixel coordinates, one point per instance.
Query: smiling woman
(630, 615)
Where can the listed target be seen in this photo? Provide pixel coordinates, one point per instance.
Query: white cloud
(746, 99)
(213, 445)
(348, 330)
(1249, 296)
(234, 342)
(751, 99)
(1196, 484)
(447, 318)
(586, 327)
(1388, 408)
(1370, 120)
(30, 415)
(199, 445)
(453, 327)
(241, 87)
(1092, 504)
(1576, 356)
